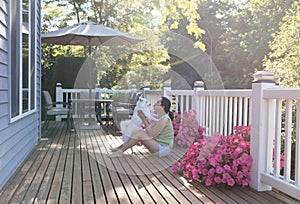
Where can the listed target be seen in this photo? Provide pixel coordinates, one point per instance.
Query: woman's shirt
(166, 136)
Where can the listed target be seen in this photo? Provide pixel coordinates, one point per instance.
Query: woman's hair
(165, 102)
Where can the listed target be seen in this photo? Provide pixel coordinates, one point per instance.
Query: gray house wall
(17, 138)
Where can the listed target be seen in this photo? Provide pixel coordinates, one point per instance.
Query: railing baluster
(277, 145)
(288, 140)
(226, 115)
(271, 133)
(240, 111)
(297, 146)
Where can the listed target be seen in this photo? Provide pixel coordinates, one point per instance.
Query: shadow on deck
(70, 167)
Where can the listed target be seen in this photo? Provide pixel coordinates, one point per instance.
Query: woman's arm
(143, 118)
(156, 127)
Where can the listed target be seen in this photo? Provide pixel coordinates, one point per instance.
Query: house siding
(17, 138)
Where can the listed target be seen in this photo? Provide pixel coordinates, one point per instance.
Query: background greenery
(240, 37)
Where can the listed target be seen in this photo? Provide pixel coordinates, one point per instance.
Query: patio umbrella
(89, 34)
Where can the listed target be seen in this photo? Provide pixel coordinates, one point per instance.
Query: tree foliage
(284, 58)
(127, 16)
(236, 35)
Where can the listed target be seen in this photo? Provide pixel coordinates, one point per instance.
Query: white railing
(261, 108)
(276, 118)
(66, 95)
(221, 110)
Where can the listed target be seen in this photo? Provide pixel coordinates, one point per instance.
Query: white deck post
(145, 89)
(59, 98)
(98, 94)
(198, 86)
(167, 92)
(259, 124)
(133, 87)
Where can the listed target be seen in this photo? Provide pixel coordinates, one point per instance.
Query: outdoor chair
(124, 110)
(52, 110)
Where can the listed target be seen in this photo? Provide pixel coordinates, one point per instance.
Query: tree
(235, 33)
(127, 16)
(284, 58)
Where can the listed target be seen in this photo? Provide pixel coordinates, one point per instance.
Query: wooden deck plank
(157, 167)
(113, 185)
(216, 195)
(58, 166)
(66, 193)
(177, 180)
(49, 172)
(98, 184)
(75, 168)
(162, 165)
(129, 188)
(175, 183)
(280, 196)
(77, 178)
(87, 185)
(141, 171)
(30, 185)
(14, 183)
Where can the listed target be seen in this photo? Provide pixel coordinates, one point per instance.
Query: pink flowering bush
(218, 159)
(186, 128)
(176, 122)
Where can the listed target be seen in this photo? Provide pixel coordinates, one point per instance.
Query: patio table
(89, 107)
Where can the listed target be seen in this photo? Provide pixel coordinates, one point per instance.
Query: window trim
(16, 11)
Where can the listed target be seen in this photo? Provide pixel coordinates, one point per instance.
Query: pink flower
(214, 159)
(218, 158)
(218, 179)
(211, 172)
(212, 162)
(219, 170)
(204, 171)
(208, 182)
(230, 182)
(175, 167)
(227, 167)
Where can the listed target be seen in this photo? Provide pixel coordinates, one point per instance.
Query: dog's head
(142, 103)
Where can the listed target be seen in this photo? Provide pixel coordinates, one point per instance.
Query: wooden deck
(70, 167)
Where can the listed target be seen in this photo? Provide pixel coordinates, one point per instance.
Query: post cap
(133, 86)
(167, 84)
(198, 84)
(264, 77)
(58, 84)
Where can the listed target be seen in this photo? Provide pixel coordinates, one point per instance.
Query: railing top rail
(228, 93)
(282, 93)
(154, 92)
(100, 90)
(182, 92)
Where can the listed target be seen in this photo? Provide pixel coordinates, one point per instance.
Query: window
(23, 72)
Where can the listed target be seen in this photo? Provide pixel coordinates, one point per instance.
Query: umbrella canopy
(89, 34)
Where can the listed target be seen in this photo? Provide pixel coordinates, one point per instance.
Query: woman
(158, 137)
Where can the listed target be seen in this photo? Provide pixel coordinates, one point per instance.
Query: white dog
(128, 127)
